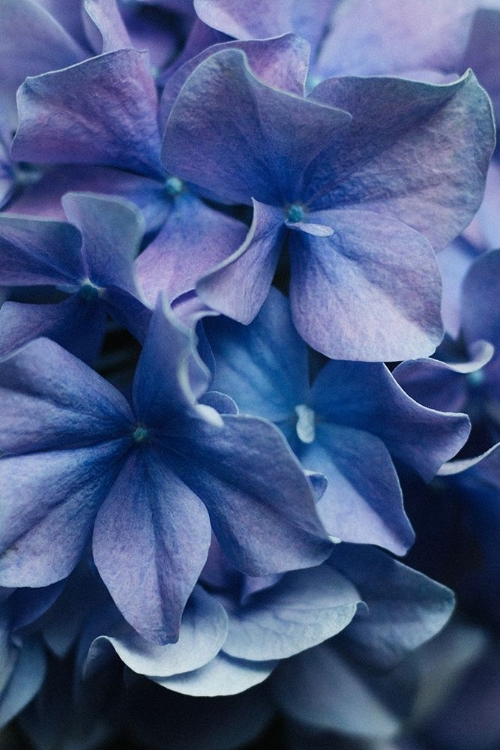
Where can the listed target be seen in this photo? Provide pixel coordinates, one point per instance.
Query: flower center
(476, 378)
(174, 186)
(89, 291)
(140, 434)
(295, 213)
(306, 423)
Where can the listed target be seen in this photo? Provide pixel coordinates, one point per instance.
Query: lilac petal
(25, 681)
(252, 360)
(482, 52)
(32, 43)
(76, 324)
(222, 676)
(34, 251)
(481, 287)
(380, 38)
(44, 198)
(485, 467)
(49, 503)
(202, 633)
(281, 63)
(438, 139)
(239, 286)
(101, 111)
(454, 262)
(442, 385)
(236, 137)
(69, 16)
(366, 396)
(43, 411)
(263, 19)
(322, 689)
(104, 26)
(363, 502)
(405, 608)
(260, 503)
(128, 311)
(303, 609)
(170, 375)
(192, 230)
(361, 267)
(151, 540)
(112, 230)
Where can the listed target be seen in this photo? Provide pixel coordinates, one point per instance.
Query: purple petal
(239, 286)
(32, 43)
(303, 609)
(170, 375)
(76, 324)
(151, 540)
(482, 53)
(405, 608)
(361, 267)
(222, 676)
(380, 38)
(192, 230)
(260, 503)
(104, 26)
(367, 397)
(437, 139)
(49, 501)
(112, 230)
(34, 251)
(101, 111)
(236, 137)
(202, 633)
(263, 19)
(363, 502)
(263, 366)
(281, 63)
(25, 681)
(50, 400)
(481, 287)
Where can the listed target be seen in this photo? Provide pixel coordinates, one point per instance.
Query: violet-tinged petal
(170, 375)
(482, 53)
(454, 262)
(49, 501)
(380, 38)
(76, 324)
(27, 605)
(69, 16)
(111, 230)
(193, 230)
(437, 139)
(32, 42)
(222, 676)
(25, 682)
(236, 137)
(44, 198)
(36, 251)
(404, 608)
(485, 467)
(101, 111)
(263, 19)
(442, 385)
(321, 688)
(480, 290)
(363, 502)
(260, 503)
(128, 311)
(303, 609)
(220, 402)
(361, 267)
(42, 411)
(104, 26)
(281, 63)
(202, 633)
(366, 396)
(250, 360)
(151, 540)
(239, 286)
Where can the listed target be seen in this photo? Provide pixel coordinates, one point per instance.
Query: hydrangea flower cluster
(250, 277)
